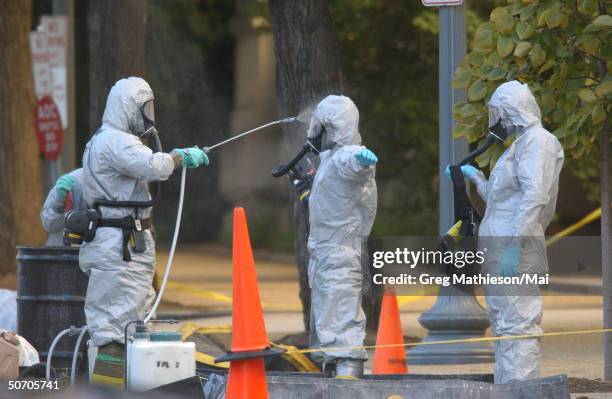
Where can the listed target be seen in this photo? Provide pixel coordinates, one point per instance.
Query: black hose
(282, 169)
(472, 155)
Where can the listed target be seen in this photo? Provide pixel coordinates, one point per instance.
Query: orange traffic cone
(247, 374)
(389, 359)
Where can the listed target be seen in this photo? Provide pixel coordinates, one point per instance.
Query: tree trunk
(116, 48)
(606, 246)
(307, 69)
(20, 174)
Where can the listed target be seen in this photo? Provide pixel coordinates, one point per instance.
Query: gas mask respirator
(496, 134)
(301, 169)
(147, 113)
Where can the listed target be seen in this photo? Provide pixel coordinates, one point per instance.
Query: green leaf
(547, 101)
(571, 141)
(588, 42)
(563, 52)
(462, 78)
(477, 91)
(598, 114)
(505, 45)
(522, 48)
(603, 21)
(553, 18)
(484, 31)
(527, 12)
(589, 6)
(559, 114)
(497, 74)
(547, 65)
(502, 19)
(542, 18)
(586, 95)
(484, 70)
(524, 30)
(467, 111)
(475, 58)
(484, 46)
(458, 131)
(604, 89)
(537, 56)
(561, 132)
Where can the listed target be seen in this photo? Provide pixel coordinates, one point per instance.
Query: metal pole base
(455, 315)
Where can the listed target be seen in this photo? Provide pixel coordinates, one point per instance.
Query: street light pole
(456, 314)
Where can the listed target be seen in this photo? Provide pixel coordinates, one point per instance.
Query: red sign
(48, 128)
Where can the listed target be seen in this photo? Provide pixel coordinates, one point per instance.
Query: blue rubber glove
(510, 261)
(64, 185)
(192, 157)
(366, 157)
(467, 170)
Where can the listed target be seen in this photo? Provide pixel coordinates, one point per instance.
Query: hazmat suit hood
(516, 105)
(340, 118)
(123, 105)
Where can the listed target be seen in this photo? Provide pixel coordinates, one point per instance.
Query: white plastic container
(159, 360)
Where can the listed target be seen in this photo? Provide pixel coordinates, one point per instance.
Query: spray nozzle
(289, 120)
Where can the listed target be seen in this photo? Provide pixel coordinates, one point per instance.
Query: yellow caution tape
(210, 360)
(457, 341)
(591, 217)
(212, 295)
(298, 360)
(189, 328)
(219, 297)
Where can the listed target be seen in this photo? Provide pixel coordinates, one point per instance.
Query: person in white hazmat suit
(520, 196)
(342, 208)
(117, 166)
(57, 204)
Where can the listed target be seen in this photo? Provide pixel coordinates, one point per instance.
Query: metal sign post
(456, 314)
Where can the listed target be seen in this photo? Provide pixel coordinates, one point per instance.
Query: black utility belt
(82, 225)
(127, 222)
(133, 233)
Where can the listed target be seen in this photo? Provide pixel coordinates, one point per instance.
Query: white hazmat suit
(342, 209)
(54, 208)
(117, 166)
(520, 197)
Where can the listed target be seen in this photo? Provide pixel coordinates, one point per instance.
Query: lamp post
(456, 313)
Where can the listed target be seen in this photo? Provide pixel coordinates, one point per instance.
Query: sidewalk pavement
(574, 355)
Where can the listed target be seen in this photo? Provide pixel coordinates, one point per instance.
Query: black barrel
(50, 298)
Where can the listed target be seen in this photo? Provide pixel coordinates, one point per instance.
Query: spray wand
(286, 120)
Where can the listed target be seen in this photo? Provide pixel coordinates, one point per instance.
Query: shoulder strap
(464, 210)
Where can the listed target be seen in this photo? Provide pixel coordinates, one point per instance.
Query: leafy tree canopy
(561, 48)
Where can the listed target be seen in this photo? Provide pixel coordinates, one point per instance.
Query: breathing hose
(72, 329)
(75, 355)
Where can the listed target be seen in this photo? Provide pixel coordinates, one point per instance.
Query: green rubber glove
(192, 157)
(64, 185)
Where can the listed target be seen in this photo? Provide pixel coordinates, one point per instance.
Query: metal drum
(50, 298)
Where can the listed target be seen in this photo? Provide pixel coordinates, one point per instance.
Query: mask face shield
(317, 135)
(148, 116)
(497, 127)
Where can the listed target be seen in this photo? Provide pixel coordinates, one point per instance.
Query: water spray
(286, 120)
